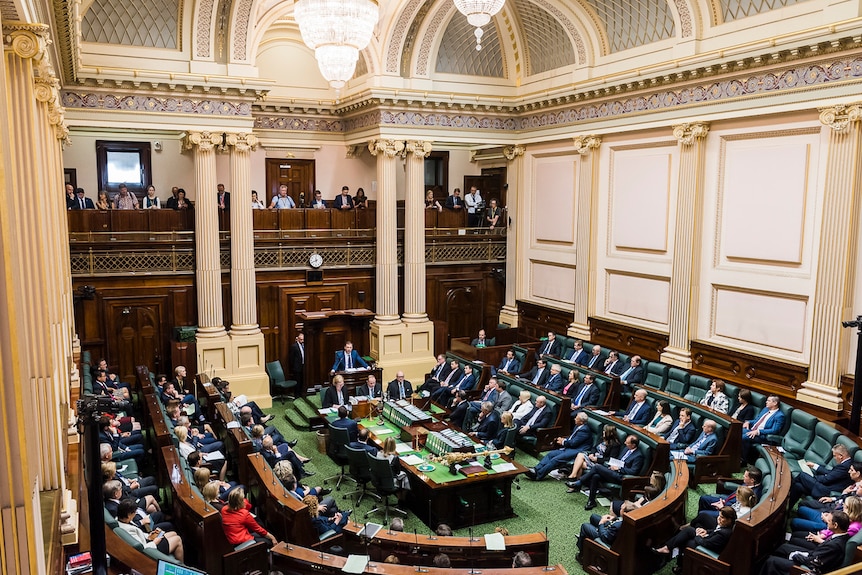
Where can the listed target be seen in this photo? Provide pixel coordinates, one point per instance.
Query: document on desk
(382, 430)
(411, 459)
(403, 448)
(327, 410)
(495, 542)
(233, 424)
(213, 456)
(501, 467)
(355, 564)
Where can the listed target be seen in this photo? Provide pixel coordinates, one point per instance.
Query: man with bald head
(399, 388)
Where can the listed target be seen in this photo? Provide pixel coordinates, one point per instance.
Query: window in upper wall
(123, 163)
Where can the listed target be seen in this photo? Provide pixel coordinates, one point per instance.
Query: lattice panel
(631, 23)
(151, 23)
(458, 55)
(736, 9)
(155, 261)
(548, 45)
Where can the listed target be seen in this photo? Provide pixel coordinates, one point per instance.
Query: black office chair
(360, 472)
(278, 383)
(339, 439)
(383, 479)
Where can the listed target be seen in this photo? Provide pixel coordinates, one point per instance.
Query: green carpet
(538, 505)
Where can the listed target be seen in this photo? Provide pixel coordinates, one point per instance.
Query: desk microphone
(549, 567)
(419, 568)
(472, 570)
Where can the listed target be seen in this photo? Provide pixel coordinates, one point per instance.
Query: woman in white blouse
(523, 406)
(151, 202)
(662, 420)
(715, 397)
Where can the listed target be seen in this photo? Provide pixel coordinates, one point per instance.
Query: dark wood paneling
(452, 218)
(627, 339)
(265, 219)
(536, 321)
(291, 219)
(343, 219)
(464, 299)
(317, 219)
(765, 375)
(847, 382)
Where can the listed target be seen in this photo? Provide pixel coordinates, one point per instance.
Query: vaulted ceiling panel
(632, 23)
(548, 45)
(736, 9)
(148, 23)
(458, 55)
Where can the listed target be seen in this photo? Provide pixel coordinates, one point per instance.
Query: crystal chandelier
(336, 30)
(478, 13)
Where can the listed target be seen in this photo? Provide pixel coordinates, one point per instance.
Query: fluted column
(387, 236)
(515, 157)
(243, 287)
(210, 314)
(32, 346)
(588, 167)
(836, 258)
(414, 232)
(686, 246)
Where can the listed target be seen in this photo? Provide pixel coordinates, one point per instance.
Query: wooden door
(491, 184)
(136, 339)
(297, 175)
(464, 312)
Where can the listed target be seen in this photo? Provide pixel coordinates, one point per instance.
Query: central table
(437, 496)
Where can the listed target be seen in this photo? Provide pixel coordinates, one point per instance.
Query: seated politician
(437, 374)
(639, 411)
(538, 418)
(509, 364)
(579, 441)
(348, 359)
(703, 445)
(770, 421)
(399, 388)
(372, 389)
(336, 394)
(632, 461)
(345, 422)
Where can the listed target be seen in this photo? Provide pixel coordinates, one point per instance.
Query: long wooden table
(440, 497)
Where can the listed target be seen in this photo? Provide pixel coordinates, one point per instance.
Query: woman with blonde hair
(390, 453)
(321, 522)
(507, 422)
(523, 406)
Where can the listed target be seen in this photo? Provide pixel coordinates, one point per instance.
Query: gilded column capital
(839, 117)
(390, 148)
(585, 144)
(26, 40)
(687, 133)
(419, 148)
(242, 142)
(203, 141)
(354, 150)
(512, 152)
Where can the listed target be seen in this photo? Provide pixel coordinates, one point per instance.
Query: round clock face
(315, 260)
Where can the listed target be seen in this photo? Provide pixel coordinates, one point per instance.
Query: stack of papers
(411, 459)
(356, 564)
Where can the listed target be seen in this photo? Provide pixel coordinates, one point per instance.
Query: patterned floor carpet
(538, 505)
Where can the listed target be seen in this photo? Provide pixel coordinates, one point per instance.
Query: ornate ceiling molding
(397, 37)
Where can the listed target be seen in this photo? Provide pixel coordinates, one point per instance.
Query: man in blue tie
(550, 347)
(632, 461)
(555, 381)
(490, 394)
(399, 388)
(509, 364)
(348, 359)
(594, 361)
(587, 394)
(639, 411)
(703, 445)
(579, 355)
(580, 440)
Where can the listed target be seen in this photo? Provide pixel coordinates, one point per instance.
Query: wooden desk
(420, 550)
(294, 560)
(236, 443)
(326, 332)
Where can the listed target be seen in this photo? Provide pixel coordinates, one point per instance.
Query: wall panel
(770, 320)
(554, 197)
(640, 199)
(552, 282)
(636, 297)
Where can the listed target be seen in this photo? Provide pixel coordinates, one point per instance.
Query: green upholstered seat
(697, 388)
(677, 381)
(278, 383)
(656, 375)
(799, 435)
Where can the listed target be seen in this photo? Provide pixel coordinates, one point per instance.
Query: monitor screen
(166, 568)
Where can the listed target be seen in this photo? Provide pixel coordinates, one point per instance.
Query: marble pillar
(687, 243)
(247, 352)
(515, 157)
(836, 259)
(588, 166)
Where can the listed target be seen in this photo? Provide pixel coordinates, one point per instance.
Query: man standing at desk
(348, 359)
(399, 388)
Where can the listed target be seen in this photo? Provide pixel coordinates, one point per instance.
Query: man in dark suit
(587, 394)
(455, 202)
(465, 383)
(634, 373)
(604, 528)
(481, 340)
(437, 374)
(613, 364)
(343, 201)
(752, 478)
(704, 444)
(488, 423)
(770, 421)
(827, 556)
(82, 203)
(399, 388)
(297, 360)
(490, 394)
(632, 462)
(452, 377)
(638, 411)
(550, 347)
(682, 431)
(348, 359)
(336, 394)
(346, 423)
(362, 442)
(581, 439)
(825, 479)
(687, 537)
(510, 363)
(538, 418)
(223, 198)
(555, 381)
(372, 389)
(459, 409)
(579, 356)
(593, 361)
(70, 197)
(538, 375)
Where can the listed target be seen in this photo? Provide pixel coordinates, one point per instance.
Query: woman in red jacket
(239, 525)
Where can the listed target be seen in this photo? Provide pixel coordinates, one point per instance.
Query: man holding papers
(630, 463)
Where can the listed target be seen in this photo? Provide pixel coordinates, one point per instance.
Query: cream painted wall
(761, 231)
(170, 167)
(460, 166)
